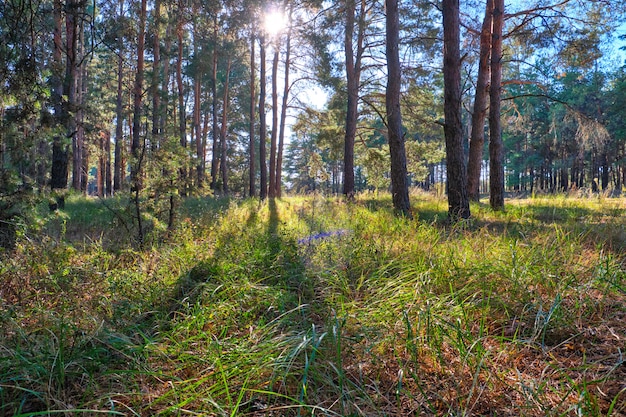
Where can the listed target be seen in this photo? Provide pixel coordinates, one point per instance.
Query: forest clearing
(297, 208)
(316, 306)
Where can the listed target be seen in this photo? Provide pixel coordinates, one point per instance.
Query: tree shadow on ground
(256, 253)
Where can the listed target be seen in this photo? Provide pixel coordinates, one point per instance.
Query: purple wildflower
(322, 235)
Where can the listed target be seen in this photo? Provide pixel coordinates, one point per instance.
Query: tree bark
(136, 145)
(81, 92)
(224, 131)
(165, 82)
(118, 168)
(214, 148)
(458, 202)
(59, 171)
(496, 147)
(197, 91)
(182, 113)
(399, 180)
(477, 138)
(70, 87)
(262, 122)
(100, 172)
(156, 69)
(283, 109)
(251, 153)
(274, 134)
(107, 164)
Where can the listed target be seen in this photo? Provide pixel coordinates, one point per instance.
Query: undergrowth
(315, 306)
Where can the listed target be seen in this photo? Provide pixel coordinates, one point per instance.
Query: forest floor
(313, 306)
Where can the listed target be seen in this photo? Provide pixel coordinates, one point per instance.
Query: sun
(275, 22)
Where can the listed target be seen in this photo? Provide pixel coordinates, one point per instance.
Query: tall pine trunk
(274, 135)
(136, 144)
(81, 92)
(224, 131)
(156, 70)
(458, 202)
(477, 138)
(262, 122)
(165, 82)
(70, 86)
(399, 180)
(283, 109)
(496, 147)
(118, 169)
(59, 171)
(214, 148)
(251, 146)
(197, 91)
(182, 113)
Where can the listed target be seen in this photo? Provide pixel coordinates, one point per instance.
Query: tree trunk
(118, 169)
(165, 84)
(477, 138)
(283, 108)
(274, 134)
(197, 91)
(399, 180)
(81, 89)
(156, 69)
(214, 147)
(136, 145)
(59, 171)
(262, 122)
(251, 153)
(353, 81)
(100, 172)
(182, 113)
(224, 131)
(107, 164)
(458, 202)
(605, 171)
(496, 147)
(70, 90)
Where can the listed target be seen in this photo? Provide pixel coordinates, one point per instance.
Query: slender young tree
(477, 136)
(399, 180)
(496, 147)
(458, 202)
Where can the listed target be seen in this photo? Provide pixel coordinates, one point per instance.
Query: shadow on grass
(254, 254)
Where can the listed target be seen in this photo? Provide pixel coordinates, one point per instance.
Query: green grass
(313, 306)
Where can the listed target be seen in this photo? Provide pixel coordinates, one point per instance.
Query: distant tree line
(163, 99)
